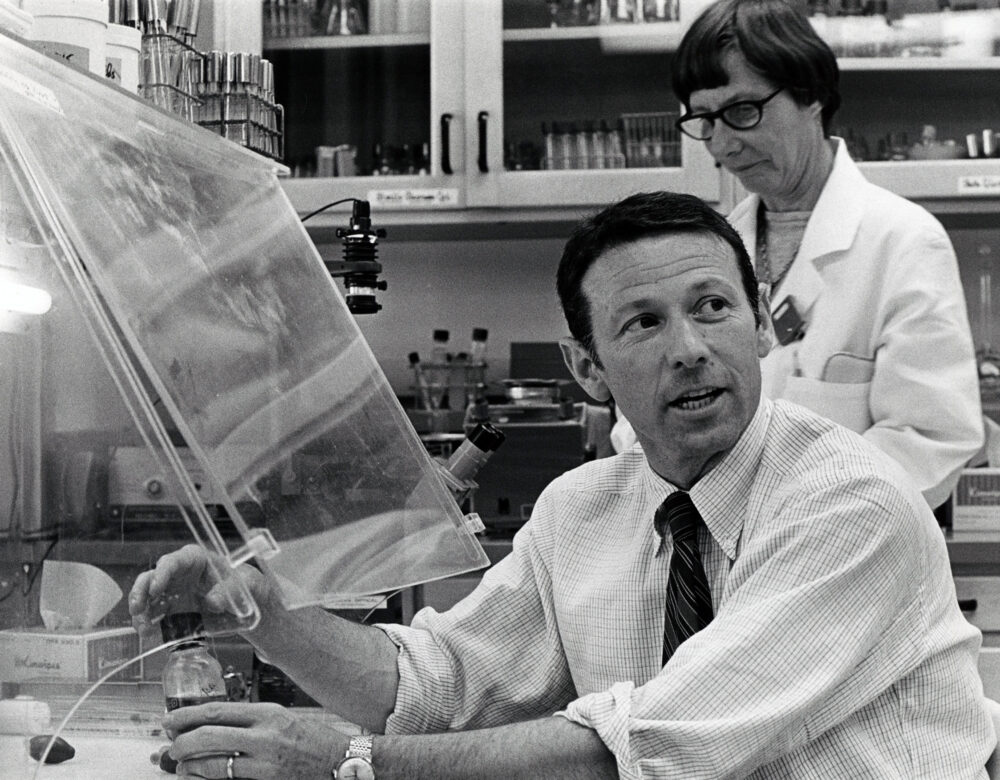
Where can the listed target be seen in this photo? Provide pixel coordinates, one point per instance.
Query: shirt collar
(722, 495)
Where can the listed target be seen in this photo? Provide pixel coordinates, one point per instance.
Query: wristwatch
(357, 763)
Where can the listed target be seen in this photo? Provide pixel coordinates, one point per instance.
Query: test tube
(439, 366)
(549, 162)
(458, 381)
(566, 148)
(581, 139)
(972, 145)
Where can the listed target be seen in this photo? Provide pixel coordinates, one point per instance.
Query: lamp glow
(23, 298)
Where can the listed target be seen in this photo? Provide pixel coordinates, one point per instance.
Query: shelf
(652, 37)
(974, 552)
(939, 179)
(848, 64)
(614, 38)
(347, 41)
(949, 33)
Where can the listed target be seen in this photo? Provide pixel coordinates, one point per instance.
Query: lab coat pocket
(843, 403)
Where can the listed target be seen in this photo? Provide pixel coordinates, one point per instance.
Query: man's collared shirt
(837, 649)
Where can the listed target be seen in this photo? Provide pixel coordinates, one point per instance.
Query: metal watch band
(358, 755)
(360, 747)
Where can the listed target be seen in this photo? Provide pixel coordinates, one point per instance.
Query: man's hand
(192, 573)
(273, 743)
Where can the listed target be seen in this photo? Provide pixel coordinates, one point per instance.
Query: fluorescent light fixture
(23, 298)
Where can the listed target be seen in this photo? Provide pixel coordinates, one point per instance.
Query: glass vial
(191, 674)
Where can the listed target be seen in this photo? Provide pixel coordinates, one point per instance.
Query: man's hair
(778, 42)
(644, 215)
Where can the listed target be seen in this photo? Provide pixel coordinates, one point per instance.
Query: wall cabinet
(453, 106)
(484, 86)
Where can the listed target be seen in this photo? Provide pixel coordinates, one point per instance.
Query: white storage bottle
(73, 30)
(191, 674)
(122, 49)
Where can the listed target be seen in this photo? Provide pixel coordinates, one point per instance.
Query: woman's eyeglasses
(741, 115)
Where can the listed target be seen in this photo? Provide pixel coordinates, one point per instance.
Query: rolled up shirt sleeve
(496, 657)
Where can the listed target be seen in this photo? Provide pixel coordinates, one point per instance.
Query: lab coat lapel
(832, 228)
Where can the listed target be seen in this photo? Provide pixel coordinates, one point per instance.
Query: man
(801, 623)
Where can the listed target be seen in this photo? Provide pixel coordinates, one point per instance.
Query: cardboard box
(975, 503)
(72, 654)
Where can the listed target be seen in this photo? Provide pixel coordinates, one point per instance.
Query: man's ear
(765, 331)
(581, 364)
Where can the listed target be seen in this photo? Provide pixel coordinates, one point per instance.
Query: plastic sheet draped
(223, 331)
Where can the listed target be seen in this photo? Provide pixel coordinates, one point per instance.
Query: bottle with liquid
(191, 674)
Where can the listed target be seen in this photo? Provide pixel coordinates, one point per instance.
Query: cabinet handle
(968, 605)
(483, 167)
(446, 143)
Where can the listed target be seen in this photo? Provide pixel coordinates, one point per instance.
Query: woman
(864, 285)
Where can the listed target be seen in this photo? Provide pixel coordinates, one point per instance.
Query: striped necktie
(689, 601)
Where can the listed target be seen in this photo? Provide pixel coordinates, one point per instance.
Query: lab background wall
(508, 286)
(504, 285)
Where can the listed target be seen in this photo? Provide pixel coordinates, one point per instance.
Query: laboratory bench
(97, 758)
(123, 752)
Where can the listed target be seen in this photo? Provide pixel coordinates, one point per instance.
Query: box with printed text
(70, 654)
(975, 502)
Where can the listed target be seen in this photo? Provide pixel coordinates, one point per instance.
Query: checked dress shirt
(837, 649)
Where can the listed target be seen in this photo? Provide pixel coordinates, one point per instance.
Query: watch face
(355, 769)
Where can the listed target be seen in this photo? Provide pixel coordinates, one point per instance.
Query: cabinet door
(569, 103)
(368, 100)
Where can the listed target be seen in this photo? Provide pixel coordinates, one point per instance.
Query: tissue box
(975, 504)
(70, 654)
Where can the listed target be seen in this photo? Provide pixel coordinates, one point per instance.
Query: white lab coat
(887, 350)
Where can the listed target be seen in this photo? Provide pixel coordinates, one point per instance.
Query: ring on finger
(229, 766)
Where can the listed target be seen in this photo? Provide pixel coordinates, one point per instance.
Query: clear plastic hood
(176, 261)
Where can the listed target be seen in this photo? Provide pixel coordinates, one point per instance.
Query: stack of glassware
(230, 93)
(235, 92)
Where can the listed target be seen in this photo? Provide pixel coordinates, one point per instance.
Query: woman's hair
(644, 215)
(776, 39)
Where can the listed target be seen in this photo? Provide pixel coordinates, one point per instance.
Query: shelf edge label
(980, 184)
(415, 198)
